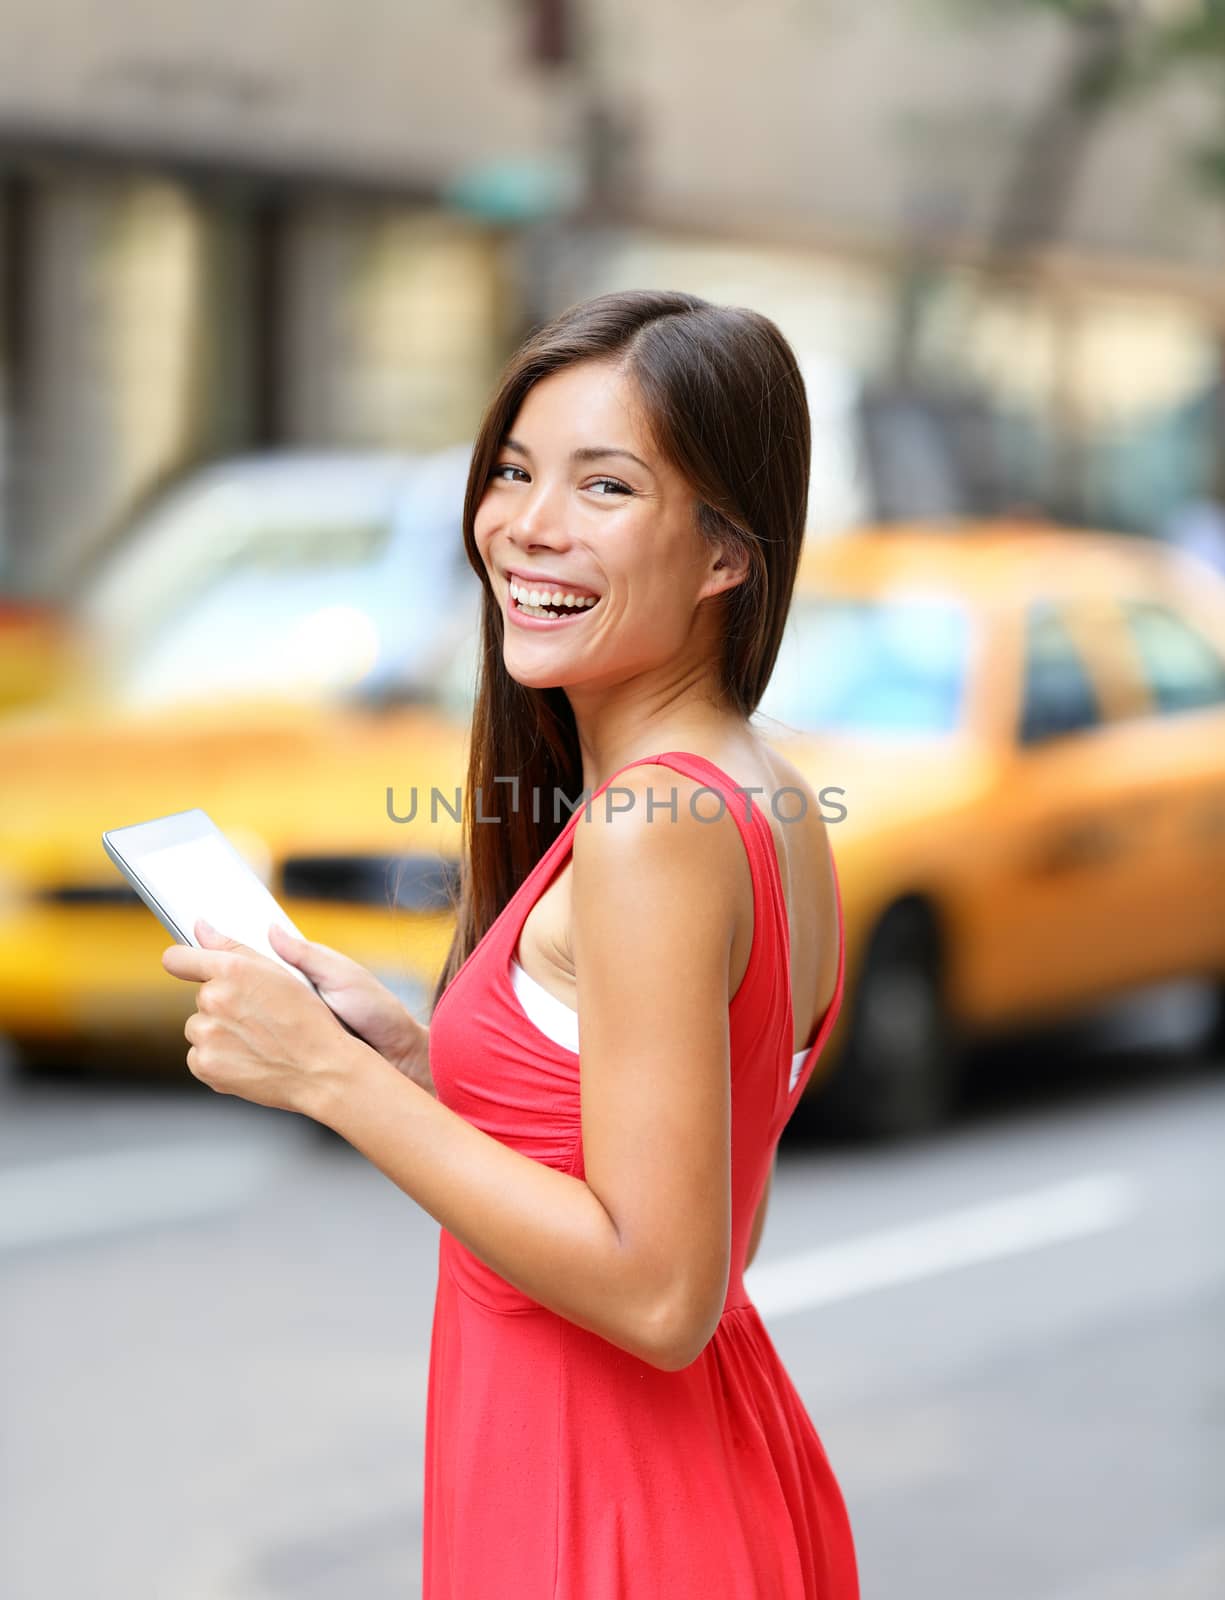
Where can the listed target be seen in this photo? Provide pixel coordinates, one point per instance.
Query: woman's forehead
(599, 418)
(590, 402)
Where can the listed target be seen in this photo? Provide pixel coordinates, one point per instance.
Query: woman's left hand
(257, 1031)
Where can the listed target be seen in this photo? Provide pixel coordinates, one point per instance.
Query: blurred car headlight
(334, 646)
(402, 883)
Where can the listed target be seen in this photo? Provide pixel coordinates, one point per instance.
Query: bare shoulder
(788, 776)
(657, 825)
(794, 803)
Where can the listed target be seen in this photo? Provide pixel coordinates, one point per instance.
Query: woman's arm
(639, 1251)
(541, 1229)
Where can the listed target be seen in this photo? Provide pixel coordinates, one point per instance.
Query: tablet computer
(183, 867)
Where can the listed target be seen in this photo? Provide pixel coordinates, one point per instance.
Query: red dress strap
(831, 1012)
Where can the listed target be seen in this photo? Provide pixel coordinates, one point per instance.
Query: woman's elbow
(677, 1336)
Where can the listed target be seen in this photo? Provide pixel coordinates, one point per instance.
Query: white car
(289, 575)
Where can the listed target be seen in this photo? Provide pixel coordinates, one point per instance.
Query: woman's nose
(540, 519)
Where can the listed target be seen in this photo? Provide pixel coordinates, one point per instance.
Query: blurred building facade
(331, 228)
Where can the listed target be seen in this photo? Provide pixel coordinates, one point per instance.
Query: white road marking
(988, 1232)
(77, 1197)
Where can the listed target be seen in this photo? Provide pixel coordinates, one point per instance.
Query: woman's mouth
(548, 604)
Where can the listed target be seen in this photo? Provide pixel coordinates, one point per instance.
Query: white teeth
(536, 599)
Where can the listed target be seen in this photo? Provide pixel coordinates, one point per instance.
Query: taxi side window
(1058, 695)
(1181, 667)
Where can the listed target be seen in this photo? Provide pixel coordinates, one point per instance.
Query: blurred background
(255, 286)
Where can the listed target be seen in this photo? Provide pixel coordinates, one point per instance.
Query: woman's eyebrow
(590, 452)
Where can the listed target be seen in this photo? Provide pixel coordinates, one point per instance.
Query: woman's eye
(606, 486)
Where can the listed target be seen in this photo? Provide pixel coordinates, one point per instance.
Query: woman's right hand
(360, 1000)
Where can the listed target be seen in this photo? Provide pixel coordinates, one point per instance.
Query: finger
(195, 1065)
(287, 944)
(212, 940)
(305, 954)
(185, 961)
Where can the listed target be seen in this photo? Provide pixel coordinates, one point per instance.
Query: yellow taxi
(287, 642)
(1018, 736)
(349, 815)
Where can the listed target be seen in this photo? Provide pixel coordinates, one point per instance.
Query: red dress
(558, 1466)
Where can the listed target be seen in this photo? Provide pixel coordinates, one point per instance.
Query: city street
(409, 416)
(1011, 1337)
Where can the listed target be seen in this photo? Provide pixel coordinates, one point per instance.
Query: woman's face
(581, 506)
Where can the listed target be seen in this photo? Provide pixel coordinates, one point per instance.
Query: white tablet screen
(205, 877)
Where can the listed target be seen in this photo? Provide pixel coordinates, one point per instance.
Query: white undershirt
(557, 1022)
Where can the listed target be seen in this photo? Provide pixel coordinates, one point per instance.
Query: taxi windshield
(300, 584)
(876, 665)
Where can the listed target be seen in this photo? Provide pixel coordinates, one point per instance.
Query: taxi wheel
(900, 1070)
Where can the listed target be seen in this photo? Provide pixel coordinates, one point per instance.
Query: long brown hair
(725, 402)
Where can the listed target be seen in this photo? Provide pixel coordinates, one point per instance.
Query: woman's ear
(727, 568)
(727, 552)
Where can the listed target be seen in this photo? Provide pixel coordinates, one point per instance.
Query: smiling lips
(548, 598)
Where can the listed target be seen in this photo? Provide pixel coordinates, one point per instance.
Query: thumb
(329, 970)
(298, 951)
(212, 940)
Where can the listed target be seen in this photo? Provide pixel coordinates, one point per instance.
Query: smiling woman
(607, 1417)
(633, 1001)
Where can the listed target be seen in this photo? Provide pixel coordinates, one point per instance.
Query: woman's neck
(698, 727)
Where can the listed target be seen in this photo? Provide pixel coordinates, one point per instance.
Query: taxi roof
(990, 562)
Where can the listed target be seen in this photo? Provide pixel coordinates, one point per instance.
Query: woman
(607, 1416)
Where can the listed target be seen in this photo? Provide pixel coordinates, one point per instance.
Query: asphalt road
(214, 1324)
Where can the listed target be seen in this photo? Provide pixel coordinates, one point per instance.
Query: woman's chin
(538, 674)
